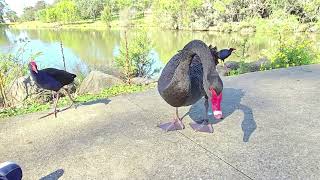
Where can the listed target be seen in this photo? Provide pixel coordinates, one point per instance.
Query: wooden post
(64, 61)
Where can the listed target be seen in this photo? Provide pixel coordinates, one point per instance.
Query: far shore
(243, 28)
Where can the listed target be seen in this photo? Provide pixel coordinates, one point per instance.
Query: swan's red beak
(216, 104)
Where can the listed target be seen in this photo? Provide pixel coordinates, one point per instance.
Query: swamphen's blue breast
(223, 54)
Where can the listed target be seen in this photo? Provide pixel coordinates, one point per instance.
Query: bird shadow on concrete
(230, 103)
(77, 105)
(98, 101)
(54, 175)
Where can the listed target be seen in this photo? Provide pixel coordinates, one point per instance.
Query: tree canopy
(4, 9)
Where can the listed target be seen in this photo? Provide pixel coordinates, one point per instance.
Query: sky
(18, 5)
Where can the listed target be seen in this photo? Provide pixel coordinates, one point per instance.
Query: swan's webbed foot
(174, 125)
(205, 126)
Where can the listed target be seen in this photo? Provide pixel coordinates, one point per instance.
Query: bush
(10, 69)
(243, 68)
(134, 59)
(293, 53)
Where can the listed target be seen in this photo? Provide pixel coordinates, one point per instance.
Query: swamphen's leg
(56, 98)
(55, 104)
(205, 126)
(73, 101)
(175, 124)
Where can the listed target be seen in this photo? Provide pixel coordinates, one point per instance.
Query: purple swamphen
(52, 79)
(225, 53)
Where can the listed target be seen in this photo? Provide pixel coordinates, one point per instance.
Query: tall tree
(28, 14)
(11, 16)
(40, 5)
(6, 12)
(3, 5)
(90, 9)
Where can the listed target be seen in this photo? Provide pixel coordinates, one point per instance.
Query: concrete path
(271, 130)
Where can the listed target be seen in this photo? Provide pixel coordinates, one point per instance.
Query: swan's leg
(175, 124)
(205, 126)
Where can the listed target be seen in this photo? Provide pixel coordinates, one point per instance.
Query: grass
(109, 92)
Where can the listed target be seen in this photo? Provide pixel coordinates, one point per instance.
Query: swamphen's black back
(225, 53)
(62, 76)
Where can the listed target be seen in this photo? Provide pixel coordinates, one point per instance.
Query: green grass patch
(109, 92)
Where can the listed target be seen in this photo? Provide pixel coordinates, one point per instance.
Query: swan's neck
(208, 65)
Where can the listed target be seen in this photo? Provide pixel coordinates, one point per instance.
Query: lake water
(85, 50)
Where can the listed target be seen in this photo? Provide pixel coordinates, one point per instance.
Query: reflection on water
(95, 49)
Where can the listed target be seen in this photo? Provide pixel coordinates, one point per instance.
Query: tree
(106, 14)
(90, 9)
(141, 5)
(40, 5)
(3, 7)
(65, 10)
(11, 16)
(28, 14)
(1, 12)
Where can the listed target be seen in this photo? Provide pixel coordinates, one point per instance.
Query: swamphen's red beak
(34, 66)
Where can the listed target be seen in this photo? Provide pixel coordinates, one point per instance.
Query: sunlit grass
(109, 92)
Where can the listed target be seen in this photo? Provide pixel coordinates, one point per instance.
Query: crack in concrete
(210, 152)
(197, 144)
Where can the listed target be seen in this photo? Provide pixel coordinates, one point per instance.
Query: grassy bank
(245, 27)
(110, 92)
(85, 24)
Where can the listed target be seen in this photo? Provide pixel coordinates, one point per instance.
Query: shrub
(293, 53)
(134, 59)
(243, 68)
(10, 69)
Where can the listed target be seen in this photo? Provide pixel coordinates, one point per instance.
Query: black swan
(186, 78)
(51, 79)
